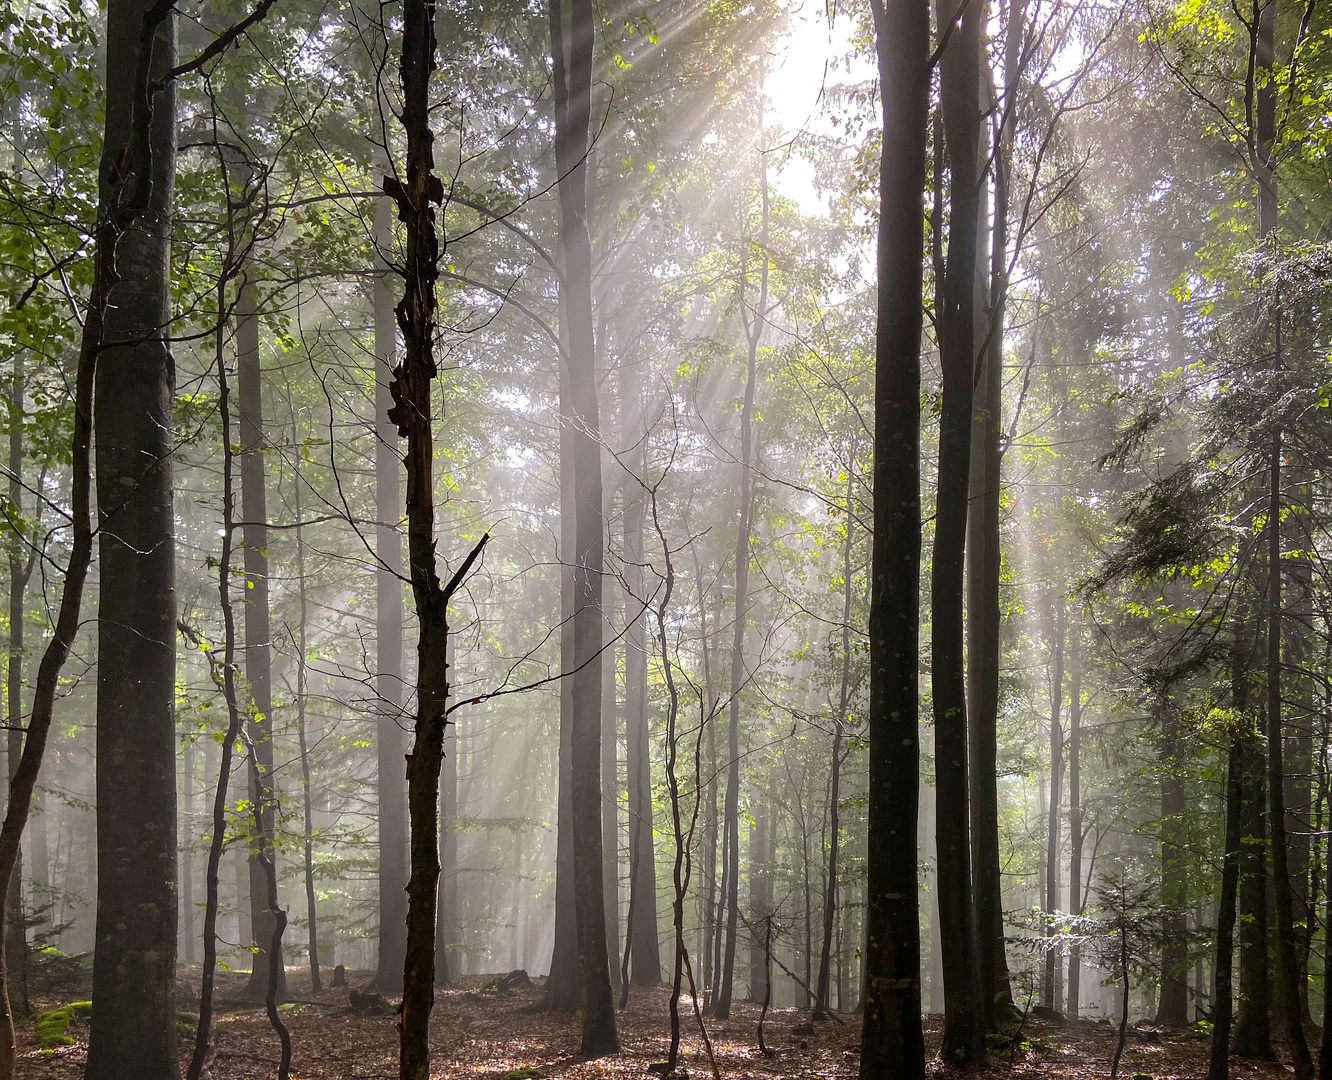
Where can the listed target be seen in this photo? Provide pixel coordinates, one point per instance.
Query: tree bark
(390, 737)
(1075, 823)
(641, 932)
(416, 199)
(964, 1036)
(571, 52)
(133, 1033)
(258, 637)
(892, 1039)
(311, 909)
(1172, 1009)
(1218, 1062)
(1049, 988)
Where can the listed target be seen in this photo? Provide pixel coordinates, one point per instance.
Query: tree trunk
(258, 641)
(983, 570)
(448, 954)
(1075, 898)
(133, 1031)
(835, 780)
(610, 798)
(20, 570)
(892, 1039)
(1049, 995)
(760, 898)
(1253, 1034)
(1217, 1068)
(390, 737)
(311, 910)
(754, 323)
(411, 390)
(571, 52)
(1172, 1009)
(964, 1036)
(641, 932)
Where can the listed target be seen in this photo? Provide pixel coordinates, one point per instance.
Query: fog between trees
(814, 508)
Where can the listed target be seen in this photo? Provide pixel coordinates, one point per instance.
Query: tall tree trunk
(258, 641)
(1049, 992)
(755, 320)
(1222, 1006)
(20, 570)
(835, 780)
(641, 932)
(134, 961)
(964, 1035)
(390, 737)
(448, 954)
(571, 52)
(610, 799)
(983, 569)
(760, 898)
(1287, 970)
(302, 652)
(1253, 1033)
(892, 1039)
(416, 200)
(1172, 1009)
(1075, 824)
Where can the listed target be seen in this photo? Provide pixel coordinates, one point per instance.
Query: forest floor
(490, 1036)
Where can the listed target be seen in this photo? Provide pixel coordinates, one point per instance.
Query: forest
(592, 538)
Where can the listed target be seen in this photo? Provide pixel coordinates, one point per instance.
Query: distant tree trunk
(892, 1039)
(964, 1035)
(1049, 992)
(641, 932)
(133, 1031)
(610, 799)
(755, 320)
(258, 637)
(1325, 1051)
(390, 737)
(416, 199)
(1218, 1063)
(311, 910)
(1075, 826)
(187, 952)
(760, 898)
(571, 52)
(835, 779)
(20, 570)
(1172, 1009)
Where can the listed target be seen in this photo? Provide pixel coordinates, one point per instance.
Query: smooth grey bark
(641, 931)
(1049, 983)
(571, 54)
(390, 733)
(302, 646)
(610, 798)
(1075, 812)
(133, 1027)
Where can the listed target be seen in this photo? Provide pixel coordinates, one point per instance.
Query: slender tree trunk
(760, 900)
(258, 638)
(133, 1031)
(390, 736)
(835, 780)
(416, 199)
(302, 652)
(610, 799)
(892, 1039)
(571, 52)
(448, 952)
(984, 567)
(1218, 1063)
(187, 951)
(1172, 1009)
(20, 570)
(1048, 985)
(1287, 971)
(1075, 824)
(1253, 1036)
(964, 1036)
(641, 932)
(755, 321)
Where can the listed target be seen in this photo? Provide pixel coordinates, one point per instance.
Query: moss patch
(52, 1027)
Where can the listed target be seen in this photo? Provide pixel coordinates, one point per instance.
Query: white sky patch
(804, 61)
